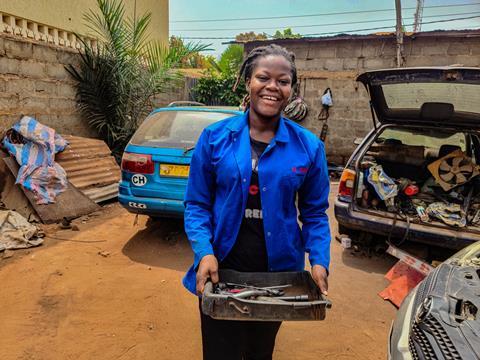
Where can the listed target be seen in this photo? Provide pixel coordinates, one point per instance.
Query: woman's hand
(320, 276)
(208, 268)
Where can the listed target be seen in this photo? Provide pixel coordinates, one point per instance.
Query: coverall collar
(281, 135)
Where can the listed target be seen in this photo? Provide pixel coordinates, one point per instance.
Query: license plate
(174, 170)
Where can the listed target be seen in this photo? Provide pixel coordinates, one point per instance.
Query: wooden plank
(13, 197)
(70, 204)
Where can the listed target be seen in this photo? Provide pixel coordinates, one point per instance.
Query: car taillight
(347, 181)
(137, 163)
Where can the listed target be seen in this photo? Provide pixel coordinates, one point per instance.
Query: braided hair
(250, 62)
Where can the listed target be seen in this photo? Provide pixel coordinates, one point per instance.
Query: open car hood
(443, 95)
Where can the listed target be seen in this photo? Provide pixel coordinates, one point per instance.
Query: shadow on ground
(162, 243)
(368, 263)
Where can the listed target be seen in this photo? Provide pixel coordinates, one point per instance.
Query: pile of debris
(401, 179)
(35, 187)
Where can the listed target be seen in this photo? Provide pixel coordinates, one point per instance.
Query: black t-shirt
(249, 254)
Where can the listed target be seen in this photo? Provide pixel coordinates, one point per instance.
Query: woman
(241, 214)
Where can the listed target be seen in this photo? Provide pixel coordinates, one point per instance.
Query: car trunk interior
(422, 175)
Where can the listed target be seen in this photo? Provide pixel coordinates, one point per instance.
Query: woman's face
(270, 86)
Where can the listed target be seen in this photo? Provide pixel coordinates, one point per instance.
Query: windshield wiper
(186, 150)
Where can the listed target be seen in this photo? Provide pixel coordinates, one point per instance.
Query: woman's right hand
(208, 268)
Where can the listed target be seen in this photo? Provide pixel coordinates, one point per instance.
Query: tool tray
(228, 307)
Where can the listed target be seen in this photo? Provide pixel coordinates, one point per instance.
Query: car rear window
(174, 129)
(464, 97)
(433, 139)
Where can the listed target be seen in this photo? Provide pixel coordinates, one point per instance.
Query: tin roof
(380, 35)
(90, 167)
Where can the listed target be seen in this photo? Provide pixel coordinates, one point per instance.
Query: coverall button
(269, 234)
(244, 180)
(265, 188)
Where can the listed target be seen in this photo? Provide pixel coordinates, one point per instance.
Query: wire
(324, 14)
(340, 32)
(392, 26)
(332, 24)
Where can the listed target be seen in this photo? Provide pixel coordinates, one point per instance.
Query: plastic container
(346, 242)
(227, 307)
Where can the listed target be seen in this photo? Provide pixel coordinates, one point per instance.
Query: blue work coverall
(215, 200)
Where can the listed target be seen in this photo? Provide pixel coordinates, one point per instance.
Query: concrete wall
(68, 14)
(33, 81)
(336, 62)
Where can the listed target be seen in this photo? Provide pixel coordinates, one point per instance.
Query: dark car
(440, 318)
(414, 176)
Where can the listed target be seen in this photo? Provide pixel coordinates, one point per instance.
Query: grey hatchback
(415, 175)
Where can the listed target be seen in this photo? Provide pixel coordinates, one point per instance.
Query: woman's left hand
(320, 276)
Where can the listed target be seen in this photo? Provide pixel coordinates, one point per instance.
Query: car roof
(226, 110)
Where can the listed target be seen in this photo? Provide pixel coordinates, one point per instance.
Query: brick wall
(34, 82)
(336, 62)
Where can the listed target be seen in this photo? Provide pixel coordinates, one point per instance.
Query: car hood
(446, 95)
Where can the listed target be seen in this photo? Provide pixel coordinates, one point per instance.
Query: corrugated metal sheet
(90, 167)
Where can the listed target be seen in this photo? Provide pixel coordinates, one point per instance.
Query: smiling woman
(240, 209)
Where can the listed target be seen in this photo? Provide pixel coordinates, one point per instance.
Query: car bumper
(432, 235)
(151, 206)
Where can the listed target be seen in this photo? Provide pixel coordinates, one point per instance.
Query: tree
(216, 87)
(251, 36)
(195, 61)
(231, 58)
(286, 34)
(117, 79)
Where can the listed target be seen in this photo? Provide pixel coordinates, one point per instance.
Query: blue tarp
(35, 152)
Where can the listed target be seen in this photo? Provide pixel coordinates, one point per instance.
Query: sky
(358, 15)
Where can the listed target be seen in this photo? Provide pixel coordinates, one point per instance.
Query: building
(37, 41)
(335, 62)
(59, 19)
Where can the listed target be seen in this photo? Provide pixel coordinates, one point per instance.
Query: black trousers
(238, 340)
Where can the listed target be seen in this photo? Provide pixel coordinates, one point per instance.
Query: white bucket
(346, 242)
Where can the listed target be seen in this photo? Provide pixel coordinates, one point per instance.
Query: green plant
(118, 76)
(286, 34)
(216, 87)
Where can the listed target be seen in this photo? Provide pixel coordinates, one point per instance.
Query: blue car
(156, 161)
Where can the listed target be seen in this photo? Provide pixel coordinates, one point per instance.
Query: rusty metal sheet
(90, 167)
(70, 204)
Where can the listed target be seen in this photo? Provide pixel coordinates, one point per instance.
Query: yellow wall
(68, 14)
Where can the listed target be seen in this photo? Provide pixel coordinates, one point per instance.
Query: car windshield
(174, 129)
(464, 97)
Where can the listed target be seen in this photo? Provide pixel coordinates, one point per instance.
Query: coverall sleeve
(199, 198)
(313, 205)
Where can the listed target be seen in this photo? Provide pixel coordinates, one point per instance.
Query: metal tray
(227, 307)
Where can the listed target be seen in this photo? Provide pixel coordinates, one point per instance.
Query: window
(174, 129)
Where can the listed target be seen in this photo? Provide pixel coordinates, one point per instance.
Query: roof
(374, 36)
(223, 109)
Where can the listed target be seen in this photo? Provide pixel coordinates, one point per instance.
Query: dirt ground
(113, 291)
